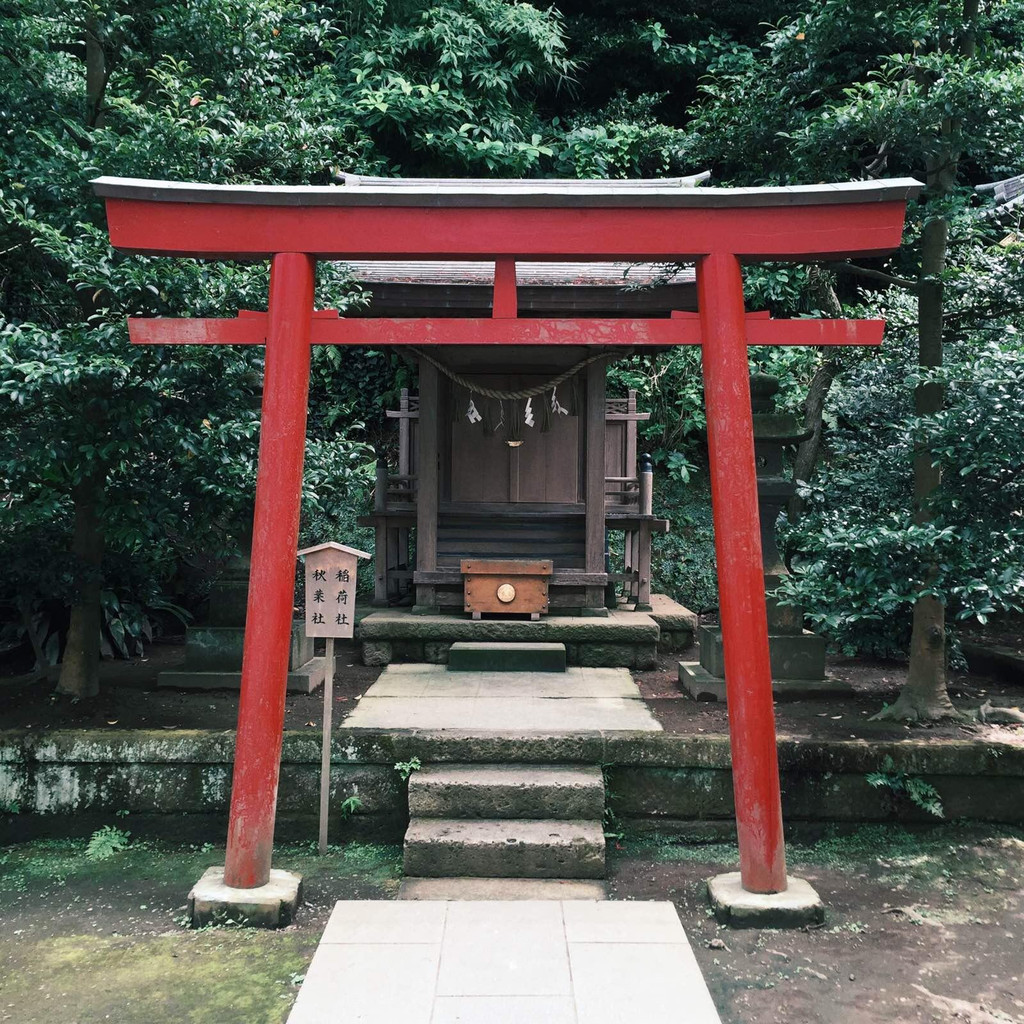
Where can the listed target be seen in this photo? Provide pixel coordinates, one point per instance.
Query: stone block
(517, 656)
(792, 657)
(377, 652)
(620, 627)
(797, 906)
(677, 623)
(501, 889)
(522, 848)
(507, 791)
(407, 650)
(702, 685)
(436, 653)
(268, 906)
(645, 656)
(698, 793)
(608, 655)
(219, 648)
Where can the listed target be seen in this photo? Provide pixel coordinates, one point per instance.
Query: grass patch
(923, 855)
(44, 864)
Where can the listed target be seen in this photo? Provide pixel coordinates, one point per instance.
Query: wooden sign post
(330, 612)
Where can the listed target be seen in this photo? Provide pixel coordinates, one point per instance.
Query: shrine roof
(1008, 195)
(489, 192)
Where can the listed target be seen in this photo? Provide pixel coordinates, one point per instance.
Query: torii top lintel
(527, 220)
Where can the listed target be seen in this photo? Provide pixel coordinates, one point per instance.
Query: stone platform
(431, 697)
(623, 638)
(518, 962)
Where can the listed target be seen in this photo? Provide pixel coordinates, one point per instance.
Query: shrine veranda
(506, 223)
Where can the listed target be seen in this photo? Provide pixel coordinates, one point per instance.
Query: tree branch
(875, 275)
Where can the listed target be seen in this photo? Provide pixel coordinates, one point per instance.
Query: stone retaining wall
(66, 781)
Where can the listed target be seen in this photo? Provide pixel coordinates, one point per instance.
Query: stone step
(507, 791)
(522, 848)
(493, 656)
(504, 889)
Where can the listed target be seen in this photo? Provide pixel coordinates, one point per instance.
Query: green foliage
(920, 793)
(406, 768)
(158, 446)
(683, 561)
(349, 806)
(859, 555)
(105, 842)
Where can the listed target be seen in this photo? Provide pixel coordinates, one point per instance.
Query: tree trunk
(807, 452)
(924, 696)
(806, 457)
(79, 670)
(95, 75)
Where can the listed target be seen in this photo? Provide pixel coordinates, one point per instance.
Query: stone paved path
(531, 962)
(430, 697)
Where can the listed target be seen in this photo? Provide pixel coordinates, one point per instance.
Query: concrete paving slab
(533, 960)
(624, 983)
(504, 1010)
(376, 921)
(503, 714)
(451, 889)
(369, 984)
(505, 963)
(638, 921)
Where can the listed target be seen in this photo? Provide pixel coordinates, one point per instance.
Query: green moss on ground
(920, 855)
(205, 977)
(93, 941)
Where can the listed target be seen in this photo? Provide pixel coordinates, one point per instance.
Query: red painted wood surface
(268, 620)
(505, 302)
(714, 237)
(251, 328)
(233, 230)
(755, 766)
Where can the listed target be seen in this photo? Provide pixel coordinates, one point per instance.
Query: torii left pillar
(270, 896)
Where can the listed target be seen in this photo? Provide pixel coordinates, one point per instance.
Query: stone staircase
(471, 822)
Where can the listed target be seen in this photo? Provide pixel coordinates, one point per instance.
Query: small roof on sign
(335, 546)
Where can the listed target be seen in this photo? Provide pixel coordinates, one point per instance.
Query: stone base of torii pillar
(797, 905)
(266, 906)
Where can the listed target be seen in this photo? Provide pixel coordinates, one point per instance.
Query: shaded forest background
(126, 475)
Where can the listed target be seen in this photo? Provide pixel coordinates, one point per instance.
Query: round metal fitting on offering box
(506, 593)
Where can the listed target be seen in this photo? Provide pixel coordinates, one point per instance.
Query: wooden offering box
(506, 586)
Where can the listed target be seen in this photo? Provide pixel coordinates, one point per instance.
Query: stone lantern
(797, 655)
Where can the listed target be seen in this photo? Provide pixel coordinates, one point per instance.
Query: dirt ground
(129, 699)
(921, 927)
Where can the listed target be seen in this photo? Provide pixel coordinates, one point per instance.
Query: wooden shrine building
(517, 453)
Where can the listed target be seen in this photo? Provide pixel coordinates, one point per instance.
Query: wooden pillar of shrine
(594, 484)
(428, 434)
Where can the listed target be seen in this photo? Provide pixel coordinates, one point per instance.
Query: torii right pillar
(760, 894)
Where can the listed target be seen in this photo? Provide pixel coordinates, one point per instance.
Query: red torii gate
(505, 221)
